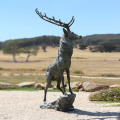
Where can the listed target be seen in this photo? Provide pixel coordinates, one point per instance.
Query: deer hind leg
(48, 78)
(58, 85)
(68, 78)
(62, 78)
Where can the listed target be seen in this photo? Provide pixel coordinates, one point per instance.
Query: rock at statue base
(64, 103)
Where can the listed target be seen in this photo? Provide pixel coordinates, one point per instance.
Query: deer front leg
(62, 78)
(68, 78)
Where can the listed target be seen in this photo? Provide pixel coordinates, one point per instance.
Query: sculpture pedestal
(64, 103)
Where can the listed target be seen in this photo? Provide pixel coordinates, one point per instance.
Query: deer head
(56, 22)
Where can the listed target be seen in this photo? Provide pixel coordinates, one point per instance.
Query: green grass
(110, 75)
(118, 105)
(67, 90)
(80, 72)
(13, 79)
(106, 102)
(22, 89)
(26, 70)
(79, 58)
(4, 69)
(44, 69)
(33, 89)
(56, 90)
(106, 95)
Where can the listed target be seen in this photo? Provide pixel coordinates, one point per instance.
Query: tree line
(101, 43)
(30, 46)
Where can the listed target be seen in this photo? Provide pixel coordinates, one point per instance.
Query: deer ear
(65, 32)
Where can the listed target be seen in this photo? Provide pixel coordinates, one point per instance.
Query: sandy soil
(19, 105)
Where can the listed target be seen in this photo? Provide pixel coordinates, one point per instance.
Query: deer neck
(66, 47)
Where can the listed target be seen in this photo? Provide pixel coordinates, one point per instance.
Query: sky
(19, 20)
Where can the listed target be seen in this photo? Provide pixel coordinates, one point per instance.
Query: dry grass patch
(92, 64)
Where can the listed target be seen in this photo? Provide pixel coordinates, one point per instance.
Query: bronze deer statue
(63, 60)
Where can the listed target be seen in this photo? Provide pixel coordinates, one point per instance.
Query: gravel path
(19, 105)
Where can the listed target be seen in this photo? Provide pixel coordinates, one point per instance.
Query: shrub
(1, 68)
(79, 72)
(82, 46)
(110, 75)
(106, 95)
(75, 90)
(44, 69)
(93, 49)
(44, 47)
(106, 46)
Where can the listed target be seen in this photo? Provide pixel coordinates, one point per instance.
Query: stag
(63, 60)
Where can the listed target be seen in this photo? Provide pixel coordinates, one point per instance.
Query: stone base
(64, 103)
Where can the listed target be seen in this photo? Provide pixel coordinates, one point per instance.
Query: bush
(106, 95)
(110, 75)
(79, 72)
(44, 47)
(44, 70)
(93, 49)
(82, 46)
(1, 68)
(75, 90)
(106, 46)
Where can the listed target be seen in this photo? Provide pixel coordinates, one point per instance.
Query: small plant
(118, 105)
(26, 70)
(79, 72)
(1, 68)
(110, 75)
(44, 47)
(44, 69)
(79, 58)
(75, 90)
(4, 69)
(11, 74)
(22, 89)
(106, 95)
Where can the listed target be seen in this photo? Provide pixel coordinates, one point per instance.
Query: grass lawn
(13, 79)
(22, 89)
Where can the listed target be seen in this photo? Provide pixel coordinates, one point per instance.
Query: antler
(56, 22)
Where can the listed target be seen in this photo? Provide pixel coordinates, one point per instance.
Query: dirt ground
(20, 105)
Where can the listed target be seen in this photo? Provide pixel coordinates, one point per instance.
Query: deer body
(63, 60)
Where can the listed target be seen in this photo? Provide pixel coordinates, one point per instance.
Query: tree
(117, 47)
(1, 45)
(82, 46)
(106, 46)
(29, 50)
(100, 48)
(93, 49)
(11, 47)
(44, 47)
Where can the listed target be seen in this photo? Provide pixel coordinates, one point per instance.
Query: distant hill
(97, 38)
(54, 40)
(47, 40)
